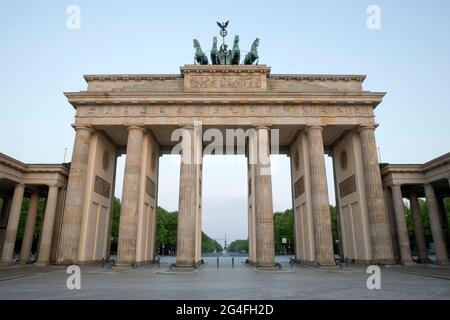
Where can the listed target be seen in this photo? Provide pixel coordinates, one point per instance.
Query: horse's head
(236, 39)
(196, 44)
(255, 43)
(214, 42)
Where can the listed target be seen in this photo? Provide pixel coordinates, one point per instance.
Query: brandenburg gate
(312, 115)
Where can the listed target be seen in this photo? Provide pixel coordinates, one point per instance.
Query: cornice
(319, 77)
(33, 168)
(259, 98)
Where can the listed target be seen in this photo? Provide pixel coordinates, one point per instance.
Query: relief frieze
(224, 111)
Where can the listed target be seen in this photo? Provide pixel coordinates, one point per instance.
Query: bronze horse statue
(236, 52)
(200, 57)
(252, 56)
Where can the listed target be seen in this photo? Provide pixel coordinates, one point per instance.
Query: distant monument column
(402, 230)
(189, 208)
(319, 198)
(435, 224)
(418, 231)
(13, 223)
(73, 210)
(126, 251)
(264, 233)
(27, 241)
(379, 225)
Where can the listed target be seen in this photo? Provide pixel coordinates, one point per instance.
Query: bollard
(232, 262)
(217, 262)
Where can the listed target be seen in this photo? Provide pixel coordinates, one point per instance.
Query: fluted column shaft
(418, 231)
(378, 219)
(264, 233)
(126, 252)
(27, 241)
(319, 198)
(13, 223)
(402, 230)
(47, 227)
(70, 231)
(435, 224)
(189, 223)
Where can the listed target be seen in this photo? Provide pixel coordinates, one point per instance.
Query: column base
(186, 268)
(407, 263)
(188, 264)
(6, 263)
(41, 263)
(442, 262)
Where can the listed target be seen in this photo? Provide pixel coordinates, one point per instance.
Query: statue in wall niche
(200, 57)
(252, 56)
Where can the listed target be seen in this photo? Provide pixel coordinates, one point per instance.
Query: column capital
(132, 127)
(371, 126)
(186, 126)
(261, 126)
(83, 127)
(315, 127)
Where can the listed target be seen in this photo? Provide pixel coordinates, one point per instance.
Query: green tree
(283, 223)
(238, 245)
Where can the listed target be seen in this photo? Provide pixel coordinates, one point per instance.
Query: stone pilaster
(47, 227)
(418, 231)
(435, 224)
(126, 252)
(189, 226)
(264, 233)
(402, 230)
(379, 225)
(27, 241)
(70, 231)
(13, 223)
(319, 198)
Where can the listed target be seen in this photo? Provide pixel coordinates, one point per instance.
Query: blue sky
(408, 57)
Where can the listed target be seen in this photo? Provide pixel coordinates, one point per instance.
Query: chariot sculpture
(224, 56)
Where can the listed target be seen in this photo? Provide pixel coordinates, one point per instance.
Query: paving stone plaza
(225, 282)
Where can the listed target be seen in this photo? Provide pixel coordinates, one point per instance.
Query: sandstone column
(319, 198)
(392, 224)
(27, 241)
(264, 233)
(70, 231)
(418, 231)
(402, 229)
(188, 207)
(435, 224)
(13, 223)
(47, 227)
(4, 214)
(379, 225)
(126, 252)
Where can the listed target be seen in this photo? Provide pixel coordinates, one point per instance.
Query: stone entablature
(32, 174)
(399, 174)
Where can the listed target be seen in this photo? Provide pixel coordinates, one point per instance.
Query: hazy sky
(40, 58)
